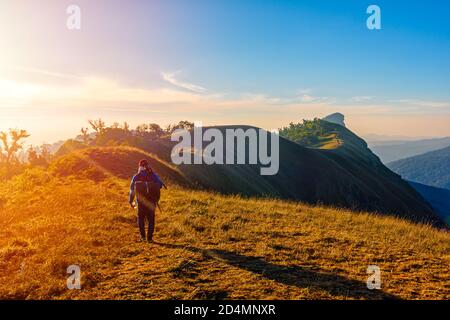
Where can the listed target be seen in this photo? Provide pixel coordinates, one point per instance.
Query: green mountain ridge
(347, 175)
(351, 153)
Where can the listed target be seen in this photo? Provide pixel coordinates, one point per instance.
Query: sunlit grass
(211, 246)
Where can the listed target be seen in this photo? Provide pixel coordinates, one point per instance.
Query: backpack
(154, 191)
(147, 191)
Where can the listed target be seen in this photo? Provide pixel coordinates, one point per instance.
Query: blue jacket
(143, 174)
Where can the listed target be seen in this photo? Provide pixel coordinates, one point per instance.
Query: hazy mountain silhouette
(431, 168)
(389, 151)
(438, 198)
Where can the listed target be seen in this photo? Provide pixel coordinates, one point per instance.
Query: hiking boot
(150, 240)
(142, 239)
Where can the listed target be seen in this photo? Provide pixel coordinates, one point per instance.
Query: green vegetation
(315, 133)
(10, 144)
(145, 136)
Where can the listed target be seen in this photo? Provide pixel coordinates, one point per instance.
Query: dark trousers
(146, 213)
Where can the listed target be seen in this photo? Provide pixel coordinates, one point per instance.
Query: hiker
(146, 186)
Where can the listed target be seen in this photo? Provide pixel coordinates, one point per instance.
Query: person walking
(145, 186)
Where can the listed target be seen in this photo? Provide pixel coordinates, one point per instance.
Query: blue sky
(259, 62)
(280, 47)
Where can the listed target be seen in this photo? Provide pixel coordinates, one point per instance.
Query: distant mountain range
(393, 150)
(431, 168)
(376, 139)
(437, 197)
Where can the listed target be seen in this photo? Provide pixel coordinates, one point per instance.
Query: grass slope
(370, 184)
(336, 168)
(208, 246)
(100, 163)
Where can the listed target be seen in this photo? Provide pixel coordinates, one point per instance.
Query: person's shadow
(290, 275)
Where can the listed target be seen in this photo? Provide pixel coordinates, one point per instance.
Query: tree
(142, 129)
(169, 128)
(2, 156)
(12, 143)
(44, 151)
(126, 126)
(85, 135)
(98, 126)
(39, 156)
(185, 125)
(33, 157)
(115, 125)
(155, 129)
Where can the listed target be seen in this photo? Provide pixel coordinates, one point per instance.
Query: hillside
(438, 198)
(431, 168)
(335, 169)
(209, 246)
(101, 163)
(368, 181)
(396, 150)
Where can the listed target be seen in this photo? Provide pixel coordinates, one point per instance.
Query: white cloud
(307, 98)
(361, 98)
(89, 92)
(304, 91)
(40, 72)
(99, 94)
(171, 77)
(423, 103)
(305, 95)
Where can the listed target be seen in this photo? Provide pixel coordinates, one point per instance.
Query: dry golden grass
(208, 246)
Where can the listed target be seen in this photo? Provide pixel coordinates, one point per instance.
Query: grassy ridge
(350, 152)
(209, 246)
(342, 172)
